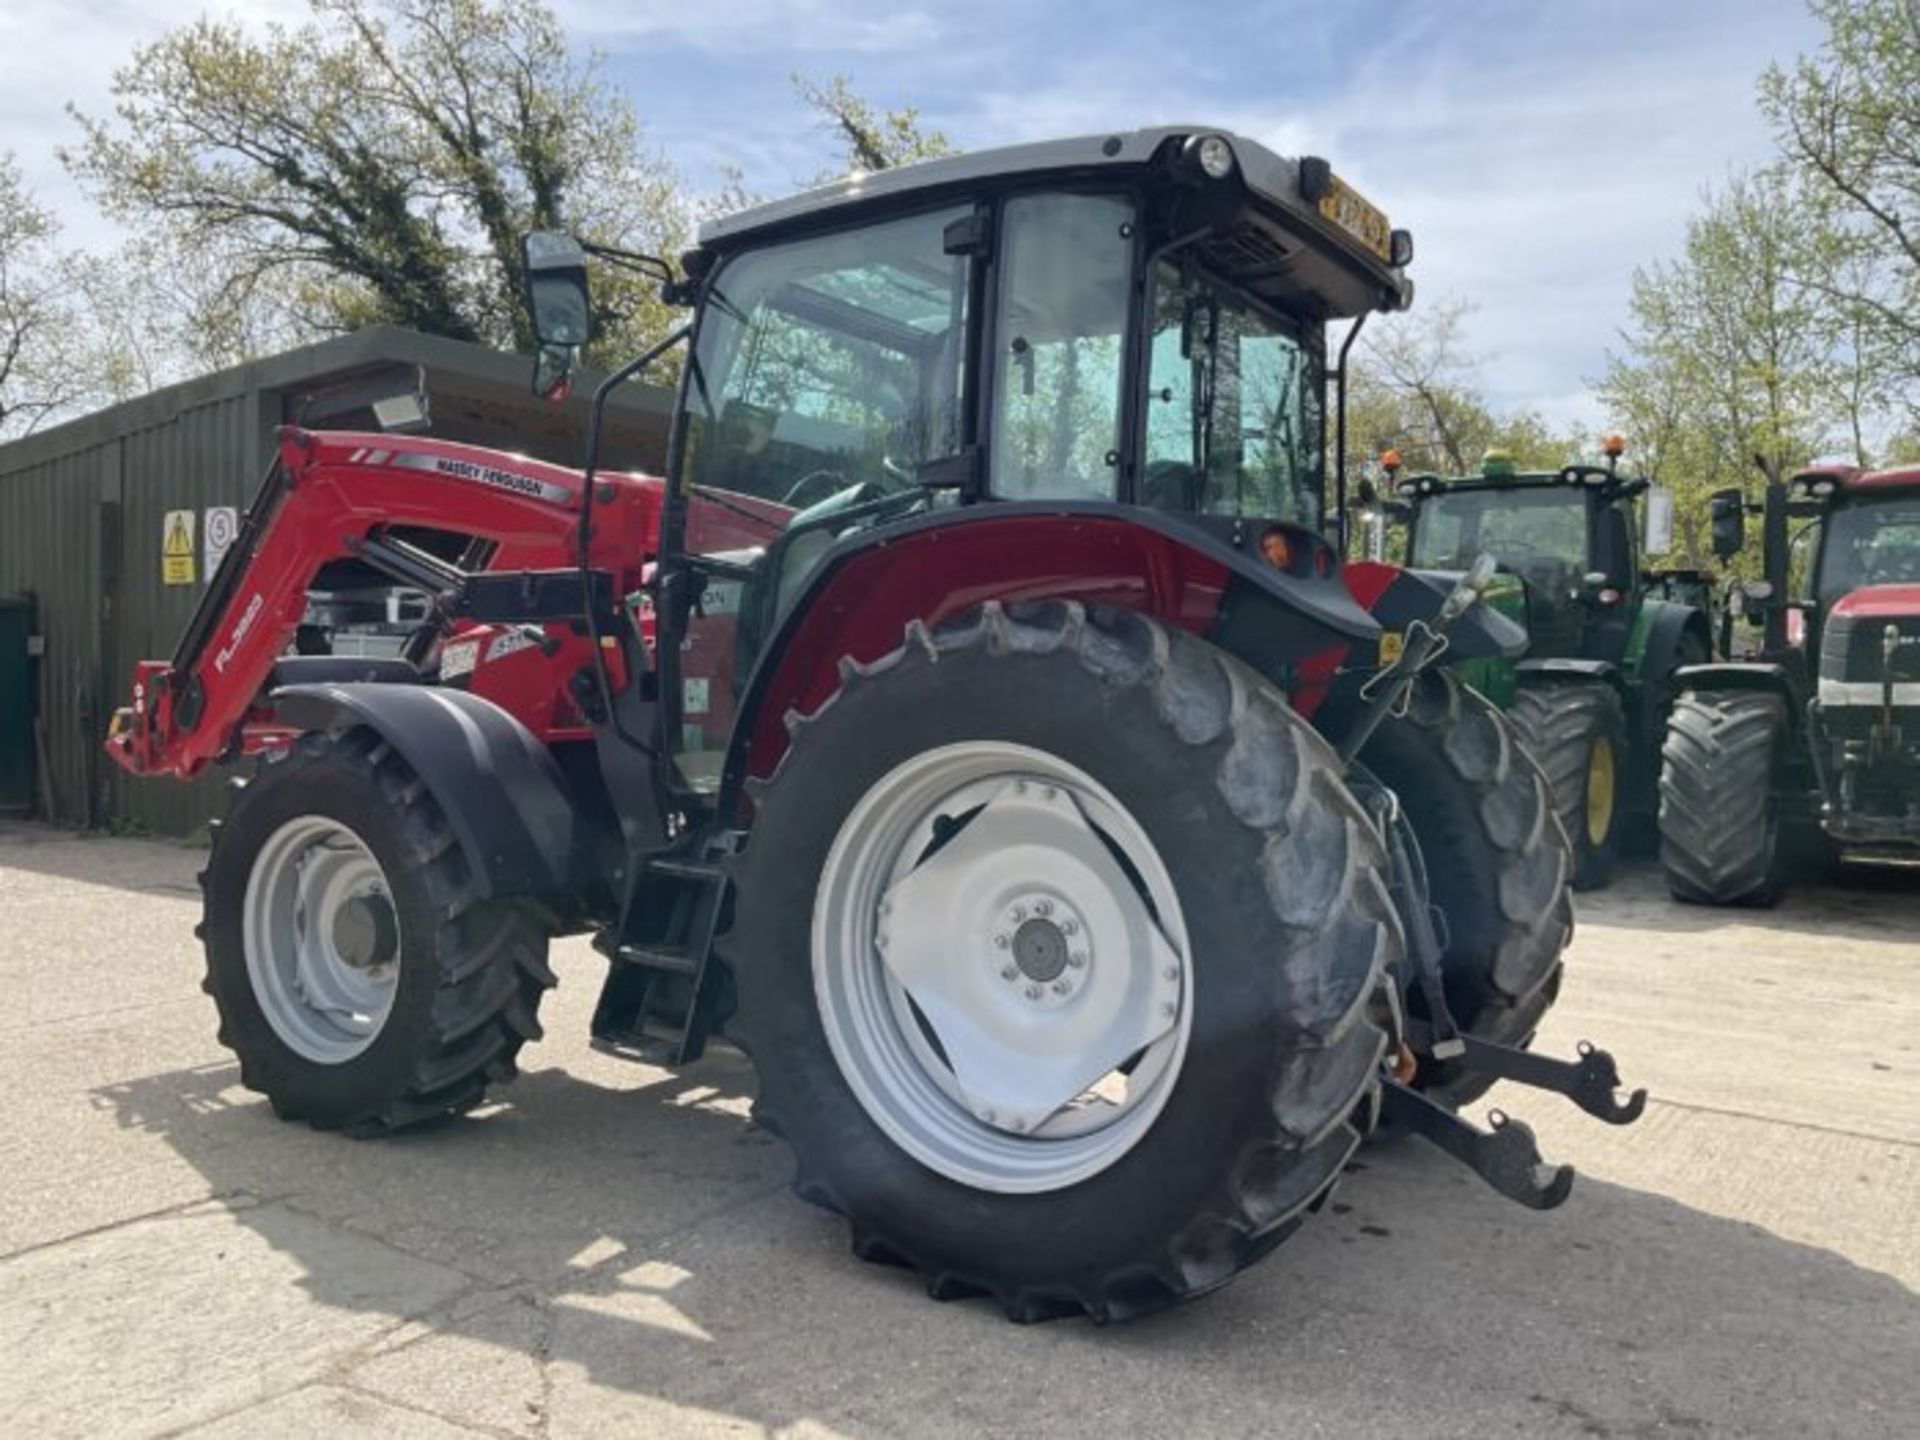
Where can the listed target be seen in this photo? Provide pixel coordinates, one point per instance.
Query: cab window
(1060, 336)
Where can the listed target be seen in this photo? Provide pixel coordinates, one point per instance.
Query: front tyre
(1719, 810)
(361, 982)
(1577, 734)
(1060, 953)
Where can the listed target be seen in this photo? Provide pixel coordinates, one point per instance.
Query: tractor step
(1506, 1157)
(1589, 1082)
(656, 1005)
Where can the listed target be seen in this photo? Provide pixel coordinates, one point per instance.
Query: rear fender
(858, 602)
(504, 796)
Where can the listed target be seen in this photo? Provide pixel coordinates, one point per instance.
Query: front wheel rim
(1600, 791)
(321, 938)
(1001, 967)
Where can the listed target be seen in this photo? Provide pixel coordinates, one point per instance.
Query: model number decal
(240, 630)
(511, 643)
(510, 480)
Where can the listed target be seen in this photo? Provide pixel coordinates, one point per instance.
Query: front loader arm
(333, 496)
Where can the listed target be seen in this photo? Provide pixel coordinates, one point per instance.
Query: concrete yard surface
(609, 1249)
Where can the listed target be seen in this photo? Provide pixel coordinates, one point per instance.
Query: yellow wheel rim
(1599, 791)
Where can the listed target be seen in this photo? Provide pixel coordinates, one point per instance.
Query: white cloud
(810, 27)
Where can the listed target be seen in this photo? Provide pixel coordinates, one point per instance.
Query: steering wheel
(797, 491)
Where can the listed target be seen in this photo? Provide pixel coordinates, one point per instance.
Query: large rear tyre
(1060, 951)
(1577, 734)
(1719, 813)
(360, 980)
(1497, 864)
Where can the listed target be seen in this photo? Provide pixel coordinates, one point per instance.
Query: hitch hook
(1506, 1157)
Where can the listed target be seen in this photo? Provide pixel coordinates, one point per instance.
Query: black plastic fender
(504, 796)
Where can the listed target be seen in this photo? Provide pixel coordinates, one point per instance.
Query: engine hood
(1880, 602)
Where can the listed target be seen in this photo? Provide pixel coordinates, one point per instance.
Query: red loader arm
(337, 495)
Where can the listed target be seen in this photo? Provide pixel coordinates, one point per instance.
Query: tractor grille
(1853, 647)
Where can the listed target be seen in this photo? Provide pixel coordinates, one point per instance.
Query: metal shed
(83, 509)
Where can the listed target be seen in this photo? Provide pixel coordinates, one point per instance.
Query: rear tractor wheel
(360, 981)
(1578, 736)
(1060, 951)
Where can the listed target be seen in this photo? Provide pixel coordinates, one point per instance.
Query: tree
(1729, 354)
(868, 139)
(37, 379)
(1413, 391)
(380, 163)
(1848, 121)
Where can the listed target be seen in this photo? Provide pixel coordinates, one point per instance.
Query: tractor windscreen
(1870, 542)
(1538, 534)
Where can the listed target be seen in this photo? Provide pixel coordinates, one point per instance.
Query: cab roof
(1271, 184)
(1851, 479)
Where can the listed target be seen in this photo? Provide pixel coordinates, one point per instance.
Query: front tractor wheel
(1577, 734)
(1719, 811)
(1060, 952)
(360, 980)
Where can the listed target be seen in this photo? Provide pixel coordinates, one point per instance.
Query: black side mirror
(1398, 511)
(1366, 494)
(559, 305)
(1727, 515)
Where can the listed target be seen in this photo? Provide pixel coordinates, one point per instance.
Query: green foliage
(868, 139)
(380, 163)
(1848, 124)
(34, 315)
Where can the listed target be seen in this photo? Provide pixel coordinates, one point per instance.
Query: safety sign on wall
(222, 524)
(176, 548)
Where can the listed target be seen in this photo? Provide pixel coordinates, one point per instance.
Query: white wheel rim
(1010, 1005)
(321, 938)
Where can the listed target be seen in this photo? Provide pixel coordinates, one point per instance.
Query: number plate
(1359, 217)
(1392, 642)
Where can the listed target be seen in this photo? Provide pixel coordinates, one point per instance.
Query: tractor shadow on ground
(1861, 900)
(627, 1250)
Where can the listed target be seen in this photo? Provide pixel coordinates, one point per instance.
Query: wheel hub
(322, 939)
(365, 932)
(1000, 961)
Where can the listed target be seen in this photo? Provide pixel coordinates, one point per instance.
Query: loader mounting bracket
(1506, 1156)
(1590, 1081)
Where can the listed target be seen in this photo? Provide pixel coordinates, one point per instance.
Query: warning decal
(176, 548)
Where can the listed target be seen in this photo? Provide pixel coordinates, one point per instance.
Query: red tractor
(1811, 746)
(975, 726)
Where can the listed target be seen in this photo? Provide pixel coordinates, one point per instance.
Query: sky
(1538, 151)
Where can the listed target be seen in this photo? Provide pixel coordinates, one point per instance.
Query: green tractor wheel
(1578, 734)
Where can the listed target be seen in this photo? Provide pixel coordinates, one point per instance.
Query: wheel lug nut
(1169, 1011)
(1002, 941)
(1077, 959)
(1009, 972)
(1043, 909)
(1019, 913)
(1069, 927)
(1033, 992)
(1172, 972)
(880, 942)
(1061, 987)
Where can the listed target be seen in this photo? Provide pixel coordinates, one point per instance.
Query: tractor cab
(1569, 535)
(1132, 320)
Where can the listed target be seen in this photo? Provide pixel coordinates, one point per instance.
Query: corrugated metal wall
(82, 510)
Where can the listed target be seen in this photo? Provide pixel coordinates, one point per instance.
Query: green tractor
(1591, 696)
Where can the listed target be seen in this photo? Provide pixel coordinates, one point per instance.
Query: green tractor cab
(1591, 695)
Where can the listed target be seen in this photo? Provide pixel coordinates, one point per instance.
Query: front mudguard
(504, 796)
